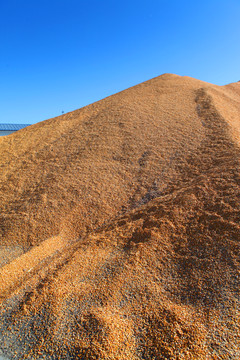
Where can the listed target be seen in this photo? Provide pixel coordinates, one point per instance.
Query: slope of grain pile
(127, 214)
(106, 155)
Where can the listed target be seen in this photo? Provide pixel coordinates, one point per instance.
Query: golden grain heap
(119, 228)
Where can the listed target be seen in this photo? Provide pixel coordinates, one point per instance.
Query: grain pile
(128, 213)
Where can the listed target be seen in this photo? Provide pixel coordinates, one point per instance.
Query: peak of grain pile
(119, 228)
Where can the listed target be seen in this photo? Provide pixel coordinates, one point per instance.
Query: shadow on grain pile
(159, 278)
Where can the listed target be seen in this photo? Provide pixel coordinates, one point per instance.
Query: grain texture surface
(127, 216)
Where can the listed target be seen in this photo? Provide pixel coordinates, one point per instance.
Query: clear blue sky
(59, 55)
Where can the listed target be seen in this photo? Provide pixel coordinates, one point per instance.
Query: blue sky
(60, 55)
